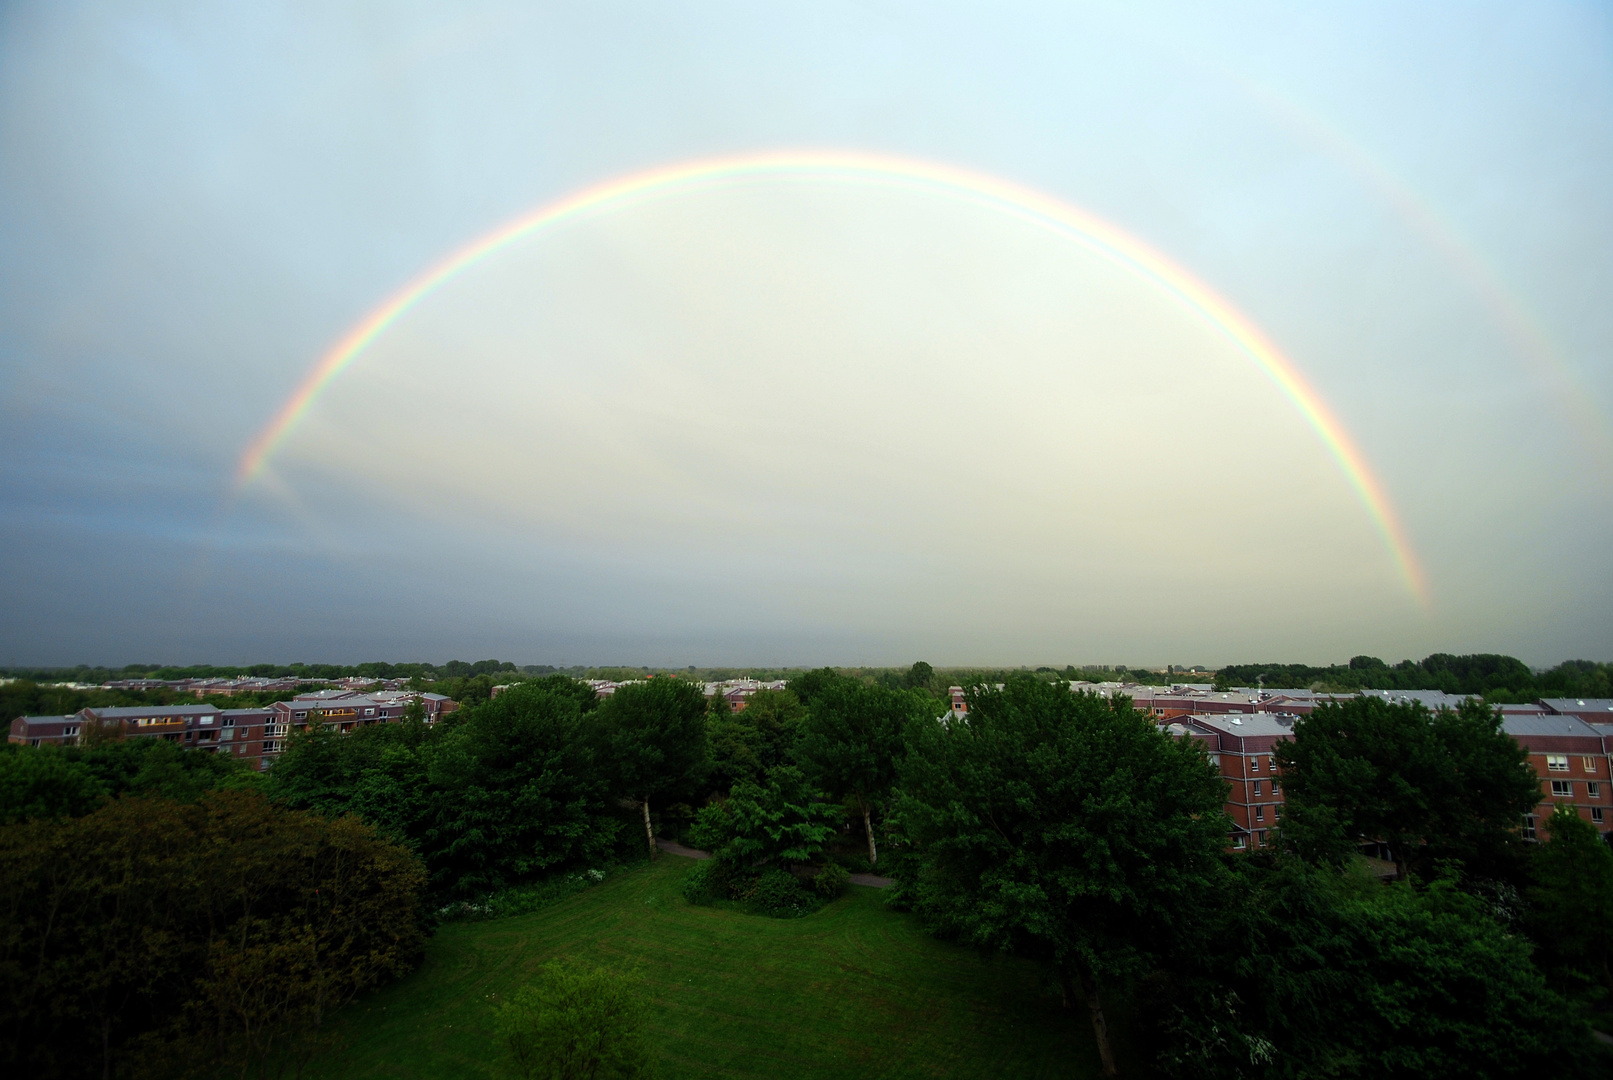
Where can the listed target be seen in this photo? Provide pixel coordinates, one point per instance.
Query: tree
(744, 745)
(41, 782)
(652, 735)
(1306, 972)
(214, 933)
(515, 791)
(1062, 827)
(575, 1023)
(920, 676)
(851, 739)
(782, 820)
(1571, 904)
(1429, 785)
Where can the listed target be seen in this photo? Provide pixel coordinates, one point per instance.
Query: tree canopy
(1063, 827)
(1430, 785)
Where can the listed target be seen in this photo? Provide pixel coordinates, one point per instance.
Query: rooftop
(1578, 705)
(1527, 724)
(1246, 725)
(130, 713)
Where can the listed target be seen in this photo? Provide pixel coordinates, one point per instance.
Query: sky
(703, 333)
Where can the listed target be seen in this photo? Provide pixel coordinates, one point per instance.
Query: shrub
(704, 883)
(778, 894)
(575, 1021)
(831, 881)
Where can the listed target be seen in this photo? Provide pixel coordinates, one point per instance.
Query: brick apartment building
(1241, 747)
(238, 732)
(254, 735)
(1571, 759)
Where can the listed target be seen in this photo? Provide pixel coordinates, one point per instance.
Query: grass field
(855, 990)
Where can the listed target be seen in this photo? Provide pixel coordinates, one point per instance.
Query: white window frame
(1556, 762)
(1562, 789)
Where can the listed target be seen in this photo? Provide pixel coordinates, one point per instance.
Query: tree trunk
(868, 827)
(649, 833)
(1100, 1026)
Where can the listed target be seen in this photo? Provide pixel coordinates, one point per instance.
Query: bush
(831, 881)
(704, 883)
(778, 894)
(522, 899)
(575, 1021)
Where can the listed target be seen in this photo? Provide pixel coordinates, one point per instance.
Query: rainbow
(999, 195)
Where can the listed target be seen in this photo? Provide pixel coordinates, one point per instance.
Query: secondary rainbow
(1025, 204)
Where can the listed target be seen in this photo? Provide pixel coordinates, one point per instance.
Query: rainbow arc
(1042, 210)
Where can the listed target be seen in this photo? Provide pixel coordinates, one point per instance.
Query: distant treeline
(1499, 678)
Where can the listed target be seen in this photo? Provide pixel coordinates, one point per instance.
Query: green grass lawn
(855, 990)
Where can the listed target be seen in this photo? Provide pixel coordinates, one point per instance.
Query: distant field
(853, 991)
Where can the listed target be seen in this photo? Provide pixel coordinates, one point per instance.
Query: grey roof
(1433, 699)
(1244, 725)
(340, 694)
(1529, 724)
(265, 711)
(1579, 705)
(136, 712)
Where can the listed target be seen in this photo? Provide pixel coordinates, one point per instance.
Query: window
(1257, 789)
(1528, 826)
(1589, 764)
(1238, 842)
(1260, 838)
(1596, 814)
(1593, 790)
(1557, 762)
(1562, 789)
(1254, 764)
(1260, 813)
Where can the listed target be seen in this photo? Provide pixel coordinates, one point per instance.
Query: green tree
(652, 735)
(1429, 785)
(41, 782)
(185, 935)
(744, 745)
(851, 739)
(920, 676)
(515, 791)
(1308, 972)
(781, 820)
(1065, 828)
(575, 1023)
(1571, 904)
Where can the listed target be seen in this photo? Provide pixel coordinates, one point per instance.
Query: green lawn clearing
(855, 990)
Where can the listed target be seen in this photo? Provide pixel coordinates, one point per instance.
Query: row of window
(1564, 789)
(1559, 763)
(1240, 841)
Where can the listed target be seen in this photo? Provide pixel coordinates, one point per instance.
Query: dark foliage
(1499, 678)
(1445, 785)
(501, 794)
(1304, 972)
(159, 938)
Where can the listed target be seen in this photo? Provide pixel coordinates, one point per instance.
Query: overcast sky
(798, 418)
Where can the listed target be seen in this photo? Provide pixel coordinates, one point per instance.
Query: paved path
(873, 881)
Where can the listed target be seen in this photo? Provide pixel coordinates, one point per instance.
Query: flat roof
(127, 713)
(1578, 705)
(1245, 724)
(1546, 724)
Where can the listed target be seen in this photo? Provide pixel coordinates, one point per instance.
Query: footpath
(873, 881)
